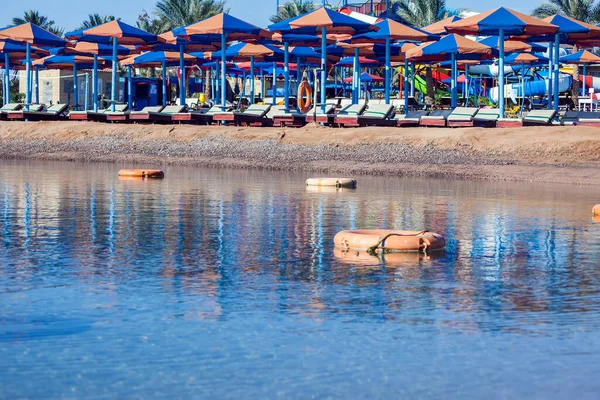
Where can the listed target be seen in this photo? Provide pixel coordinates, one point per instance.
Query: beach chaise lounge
(18, 114)
(292, 119)
(570, 118)
(436, 118)
(377, 115)
(486, 117)
(588, 118)
(99, 116)
(412, 118)
(509, 122)
(539, 117)
(10, 107)
(56, 112)
(166, 114)
(327, 118)
(348, 115)
(120, 116)
(144, 114)
(255, 115)
(461, 116)
(204, 116)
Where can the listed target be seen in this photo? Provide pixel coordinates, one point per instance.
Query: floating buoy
(389, 240)
(142, 173)
(596, 209)
(334, 182)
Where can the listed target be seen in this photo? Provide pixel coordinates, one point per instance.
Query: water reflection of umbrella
(228, 28)
(323, 21)
(501, 21)
(30, 34)
(584, 58)
(114, 32)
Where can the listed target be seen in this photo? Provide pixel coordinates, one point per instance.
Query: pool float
(142, 173)
(389, 240)
(335, 182)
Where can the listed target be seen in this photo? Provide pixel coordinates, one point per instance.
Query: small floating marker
(596, 210)
(142, 173)
(389, 241)
(334, 182)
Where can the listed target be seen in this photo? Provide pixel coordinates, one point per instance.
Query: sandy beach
(536, 154)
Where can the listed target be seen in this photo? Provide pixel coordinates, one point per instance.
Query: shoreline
(529, 154)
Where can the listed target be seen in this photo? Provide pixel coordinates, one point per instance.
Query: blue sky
(69, 13)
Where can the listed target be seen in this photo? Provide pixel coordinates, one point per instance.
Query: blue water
(225, 284)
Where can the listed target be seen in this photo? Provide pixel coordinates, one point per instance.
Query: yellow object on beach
(335, 182)
(202, 98)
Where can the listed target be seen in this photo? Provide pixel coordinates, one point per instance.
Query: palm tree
(95, 20)
(581, 10)
(420, 13)
(149, 24)
(292, 9)
(42, 21)
(176, 13)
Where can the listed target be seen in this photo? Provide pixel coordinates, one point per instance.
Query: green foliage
(582, 10)
(17, 97)
(95, 20)
(150, 24)
(176, 13)
(42, 21)
(421, 13)
(291, 9)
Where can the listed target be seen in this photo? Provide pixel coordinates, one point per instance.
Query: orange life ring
(142, 173)
(304, 97)
(389, 240)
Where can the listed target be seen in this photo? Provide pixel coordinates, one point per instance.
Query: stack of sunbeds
(534, 117)
(144, 114)
(10, 107)
(254, 115)
(461, 116)
(18, 114)
(412, 118)
(347, 116)
(56, 112)
(99, 116)
(374, 115)
(436, 118)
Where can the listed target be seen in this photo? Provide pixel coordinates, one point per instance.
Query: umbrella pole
(405, 86)
(87, 91)
(550, 69)
(129, 88)
(584, 64)
(522, 90)
(388, 63)
(274, 87)
(212, 84)
(556, 66)
(75, 90)
(323, 66)
(223, 70)
(7, 78)
(181, 75)
(251, 79)
(286, 76)
(466, 85)
(164, 83)
(453, 87)
(501, 74)
(412, 81)
(37, 85)
(95, 83)
(113, 89)
(27, 74)
(355, 77)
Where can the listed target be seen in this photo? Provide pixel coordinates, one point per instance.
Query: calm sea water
(225, 284)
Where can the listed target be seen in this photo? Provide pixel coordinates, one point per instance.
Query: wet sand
(536, 154)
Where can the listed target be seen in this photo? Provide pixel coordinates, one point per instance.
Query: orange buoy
(334, 182)
(596, 209)
(389, 240)
(304, 96)
(142, 173)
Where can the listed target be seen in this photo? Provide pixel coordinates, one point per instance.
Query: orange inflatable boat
(389, 240)
(333, 182)
(142, 173)
(596, 210)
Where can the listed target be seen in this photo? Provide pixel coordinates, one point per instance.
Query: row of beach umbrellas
(320, 36)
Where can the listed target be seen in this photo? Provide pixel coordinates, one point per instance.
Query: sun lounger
(377, 115)
(296, 120)
(348, 115)
(539, 117)
(255, 115)
(203, 116)
(436, 118)
(461, 116)
(18, 114)
(413, 118)
(166, 114)
(327, 118)
(55, 112)
(509, 123)
(120, 116)
(99, 116)
(144, 114)
(588, 118)
(486, 117)
(571, 118)
(10, 107)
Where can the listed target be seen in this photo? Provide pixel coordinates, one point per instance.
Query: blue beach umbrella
(322, 22)
(114, 32)
(11, 51)
(31, 35)
(502, 22)
(228, 29)
(584, 58)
